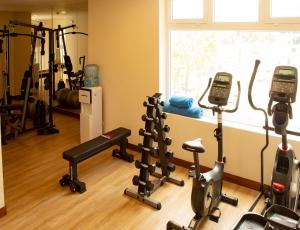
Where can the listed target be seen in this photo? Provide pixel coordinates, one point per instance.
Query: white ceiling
(37, 5)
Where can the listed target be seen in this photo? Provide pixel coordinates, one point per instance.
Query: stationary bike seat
(194, 146)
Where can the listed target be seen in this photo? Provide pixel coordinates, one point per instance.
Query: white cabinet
(91, 113)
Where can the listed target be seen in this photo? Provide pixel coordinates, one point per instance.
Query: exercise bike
(207, 187)
(285, 182)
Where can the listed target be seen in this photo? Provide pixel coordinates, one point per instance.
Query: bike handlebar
(202, 96)
(237, 100)
(219, 108)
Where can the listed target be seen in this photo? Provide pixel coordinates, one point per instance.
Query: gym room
(149, 114)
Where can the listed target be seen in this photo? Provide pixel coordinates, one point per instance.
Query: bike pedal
(214, 218)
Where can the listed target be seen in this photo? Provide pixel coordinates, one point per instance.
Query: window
(285, 8)
(231, 44)
(236, 10)
(187, 9)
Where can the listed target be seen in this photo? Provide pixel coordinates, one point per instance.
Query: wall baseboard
(68, 112)
(3, 211)
(227, 176)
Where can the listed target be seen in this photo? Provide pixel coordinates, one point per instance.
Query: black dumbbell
(152, 100)
(145, 103)
(167, 128)
(135, 180)
(168, 141)
(138, 164)
(162, 103)
(171, 167)
(144, 117)
(142, 132)
(164, 116)
(169, 154)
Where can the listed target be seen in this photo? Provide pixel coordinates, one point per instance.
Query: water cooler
(91, 113)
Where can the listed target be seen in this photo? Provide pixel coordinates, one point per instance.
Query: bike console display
(220, 89)
(284, 84)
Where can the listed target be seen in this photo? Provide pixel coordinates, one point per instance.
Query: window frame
(277, 20)
(187, 21)
(265, 23)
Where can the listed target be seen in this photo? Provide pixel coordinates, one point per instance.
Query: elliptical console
(284, 84)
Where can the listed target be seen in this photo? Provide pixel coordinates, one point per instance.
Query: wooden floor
(33, 166)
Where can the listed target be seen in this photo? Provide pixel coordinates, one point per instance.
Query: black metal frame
(20, 125)
(211, 180)
(155, 130)
(50, 127)
(68, 63)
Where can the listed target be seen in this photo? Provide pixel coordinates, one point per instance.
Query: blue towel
(181, 101)
(194, 112)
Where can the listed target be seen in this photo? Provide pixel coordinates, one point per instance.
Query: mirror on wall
(73, 42)
(14, 61)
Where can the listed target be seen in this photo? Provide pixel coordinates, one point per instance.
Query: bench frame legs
(72, 180)
(76, 185)
(121, 153)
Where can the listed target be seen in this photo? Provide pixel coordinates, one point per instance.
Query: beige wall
(19, 51)
(124, 42)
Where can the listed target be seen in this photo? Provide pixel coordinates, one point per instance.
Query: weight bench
(90, 148)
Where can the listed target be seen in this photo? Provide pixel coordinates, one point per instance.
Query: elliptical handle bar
(262, 189)
(237, 100)
(199, 101)
(257, 62)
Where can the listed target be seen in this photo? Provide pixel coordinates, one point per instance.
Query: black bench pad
(98, 144)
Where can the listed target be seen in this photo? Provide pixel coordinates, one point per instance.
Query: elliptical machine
(207, 187)
(282, 199)
(285, 179)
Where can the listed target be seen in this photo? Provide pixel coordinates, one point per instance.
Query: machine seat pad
(96, 145)
(194, 146)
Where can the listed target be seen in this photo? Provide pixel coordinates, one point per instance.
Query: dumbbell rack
(154, 130)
